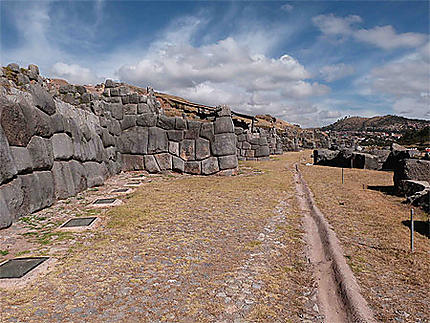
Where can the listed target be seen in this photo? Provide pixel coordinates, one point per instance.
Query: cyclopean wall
(257, 145)
(54, 145)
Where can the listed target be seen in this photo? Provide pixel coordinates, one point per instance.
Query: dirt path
(179, 249)
(338, 293)
(373, 229)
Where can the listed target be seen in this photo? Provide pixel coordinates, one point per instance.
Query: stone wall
(56, 143)
(257, 145)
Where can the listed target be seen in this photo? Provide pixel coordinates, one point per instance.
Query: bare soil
(372, 227)
(179, 248)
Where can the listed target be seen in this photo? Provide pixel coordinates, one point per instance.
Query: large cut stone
(62, 146)
(147, 120)
(396, 155)
(167, 123)
(224, 144)
(411, 169)
(37, 122)
(130, 109)
(38, 189)
(12, 119)
(227, 162)
(262, 141)
(96, 173)
(178, 164)
(107, 139)
(13, 198)
(174, 148)
(134, 141)
(42, 99)
(207, 131)
(22, 159)
(129, 121)
(175, 135)
(63, 180)
(193, 167)
(262, 151)
(41, 153)
(5, 217)
(7, 165)
(164, 161)
(202, 148)
(117, 111)
(180, 124)
(151, 164)
(132, 162)
(193, 129)
(223, 125)
(157, 141)
(187, 149)
(79, 175)
(364, 161)
(143, 108)
(210, 166)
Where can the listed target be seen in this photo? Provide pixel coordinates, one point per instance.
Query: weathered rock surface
(411, 169)
(54, 148)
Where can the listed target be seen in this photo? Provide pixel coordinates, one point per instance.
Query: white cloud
(332, 25)
(73, 73)
(384, 37)
(231, 71)
(404, 82)
(335, 72)
(287, 7)
(387, 38)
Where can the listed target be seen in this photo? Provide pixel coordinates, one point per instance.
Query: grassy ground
(184, 249)
(370, 225)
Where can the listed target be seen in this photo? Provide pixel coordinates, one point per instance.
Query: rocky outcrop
(397, 153)
(364, 161)
(411, 169)
(55, 143)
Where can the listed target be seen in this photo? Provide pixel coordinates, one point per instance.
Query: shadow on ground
(387, 189)
(422, 227)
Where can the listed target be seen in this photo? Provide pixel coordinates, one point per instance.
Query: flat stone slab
(133, 184)
(79, 222)
(121, 190)
(104, 201)
(18, 267)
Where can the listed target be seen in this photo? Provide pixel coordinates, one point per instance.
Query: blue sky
(307, 62)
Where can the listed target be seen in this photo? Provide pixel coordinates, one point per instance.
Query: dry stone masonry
(58, 141)
(257, 145)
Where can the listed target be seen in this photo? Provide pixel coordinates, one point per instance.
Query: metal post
(412, 230)
(342, 175)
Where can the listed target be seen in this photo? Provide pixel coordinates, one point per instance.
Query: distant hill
(388, 123)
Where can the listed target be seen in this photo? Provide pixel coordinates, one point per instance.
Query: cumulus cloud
(335, 72)
(384, 37)
(387, 38)
(73, 73)
(229, 71)
(405, 82)
(332, 25)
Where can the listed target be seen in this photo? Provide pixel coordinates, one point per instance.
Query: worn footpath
(178, 249)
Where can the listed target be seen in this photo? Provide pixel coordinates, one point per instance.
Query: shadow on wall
(421, 227)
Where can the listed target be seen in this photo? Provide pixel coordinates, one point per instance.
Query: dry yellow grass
(369, 225)
(173, 246)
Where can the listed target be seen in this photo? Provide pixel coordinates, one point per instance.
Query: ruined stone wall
(56, 144)
(257, 145)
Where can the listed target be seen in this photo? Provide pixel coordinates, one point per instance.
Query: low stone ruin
(411, 175)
